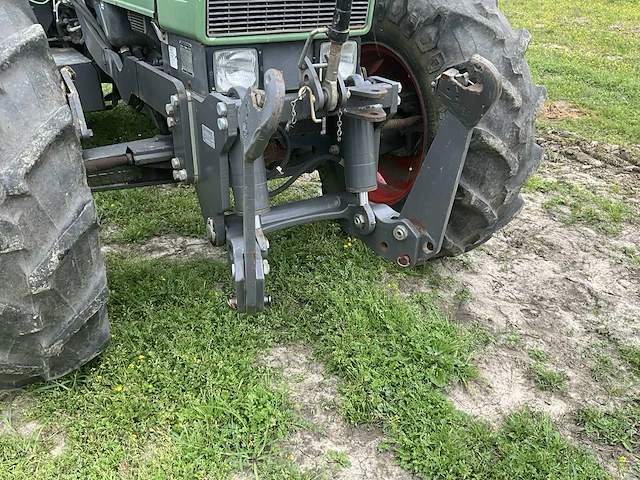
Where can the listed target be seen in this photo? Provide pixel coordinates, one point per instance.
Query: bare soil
(542, 284)
(558, 110)
(169, 246)
(329, 447)
(13, 420)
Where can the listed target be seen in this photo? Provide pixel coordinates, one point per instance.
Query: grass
(614, 427)
(585, 52)
(140, 213)
(338, 458)
(631, 255)
(544, 377)
(548, 379)
(582, 204)
(180, 392)
(630, 355)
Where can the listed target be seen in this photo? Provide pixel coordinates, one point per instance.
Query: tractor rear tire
(430, 36)
(53, 288)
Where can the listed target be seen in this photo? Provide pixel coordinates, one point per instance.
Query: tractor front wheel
(53, 285)
(414, 41)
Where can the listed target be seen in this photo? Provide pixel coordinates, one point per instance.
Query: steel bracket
(258, 117)
(73, 98)
(467, 96)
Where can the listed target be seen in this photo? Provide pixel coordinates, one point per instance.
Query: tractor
(419, 116)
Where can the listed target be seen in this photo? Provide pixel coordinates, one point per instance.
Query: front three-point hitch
(220, 142)
(353, 110)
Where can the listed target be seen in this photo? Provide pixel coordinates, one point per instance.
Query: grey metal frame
(218, 140)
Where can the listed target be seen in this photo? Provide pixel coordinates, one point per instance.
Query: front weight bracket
(467, 98)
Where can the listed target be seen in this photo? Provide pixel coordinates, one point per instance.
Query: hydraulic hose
(308, 165)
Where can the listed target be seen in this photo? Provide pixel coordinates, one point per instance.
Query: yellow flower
(113, 204)
(134, 436)
(291, 456)
(118, 388)
(623, 459)
(140, 357)
(163, 279)
(131, 365)
(99, 377)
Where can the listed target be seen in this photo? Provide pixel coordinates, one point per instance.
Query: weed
(602, 369)
(339, 459)
(547, 379)
(480, 336)
(630, 354)
(538, 355)
(631, 254)
(513, 337)
(613, 427)
(461, 295)
(573, 204)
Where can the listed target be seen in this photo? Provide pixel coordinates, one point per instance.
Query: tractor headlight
(235, 68)
(349, 59)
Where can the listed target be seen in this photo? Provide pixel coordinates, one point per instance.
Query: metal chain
(339, 125)
(301, 93)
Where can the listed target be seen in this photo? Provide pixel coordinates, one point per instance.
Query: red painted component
(396, 174)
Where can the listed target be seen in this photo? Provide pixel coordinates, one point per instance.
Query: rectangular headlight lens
(235, 68)
(347, 61)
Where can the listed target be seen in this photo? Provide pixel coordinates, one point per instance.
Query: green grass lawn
(180, 392)
(586, 52)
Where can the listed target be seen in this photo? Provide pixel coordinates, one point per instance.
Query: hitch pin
(362, 198)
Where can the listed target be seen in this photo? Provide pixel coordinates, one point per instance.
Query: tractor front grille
(256, 17)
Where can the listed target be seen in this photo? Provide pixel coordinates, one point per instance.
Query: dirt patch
(330, 446)
(558, 110)
(13, 421)
(170, 246)
(561, 147)
(540, 284)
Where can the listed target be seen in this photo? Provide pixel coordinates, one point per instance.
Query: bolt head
(233, 270)
(266, 267)
(404, 260)
(176, 164)
(175, 100)
(223, 123)
(170, 109)
(222, 109)
(180, 175)
(171, 122)
(359, 220)
(400, 232)
(334, 149)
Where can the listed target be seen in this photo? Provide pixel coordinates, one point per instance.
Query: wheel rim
(396, 173)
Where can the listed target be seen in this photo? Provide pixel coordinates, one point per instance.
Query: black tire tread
(53, 289)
